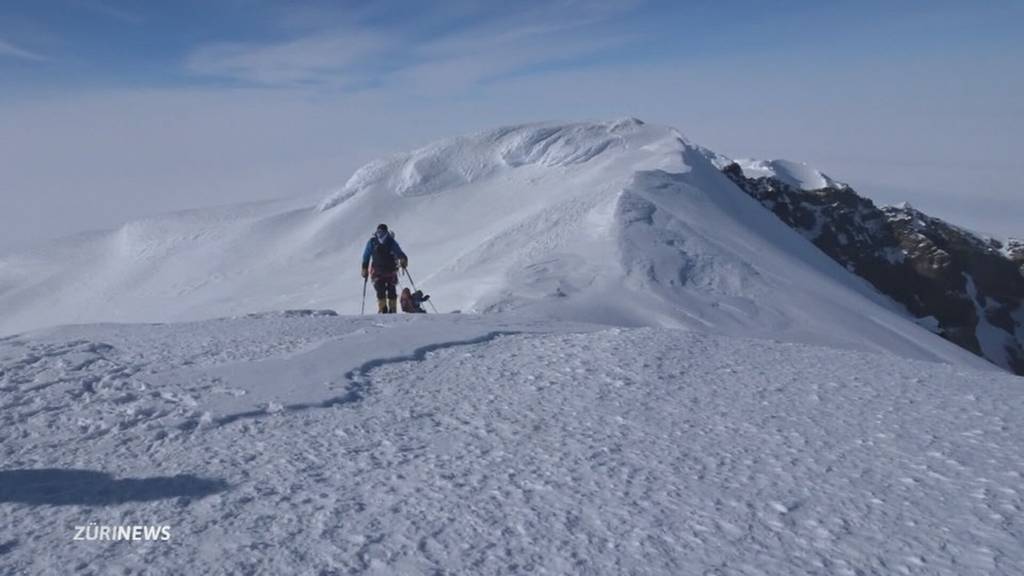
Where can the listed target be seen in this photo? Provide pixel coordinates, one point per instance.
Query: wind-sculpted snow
(493, 445)
(619, 222)
(452, 163)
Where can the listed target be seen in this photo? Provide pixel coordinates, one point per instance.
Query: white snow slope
(621, 223)
(668, 381)
(488, 444)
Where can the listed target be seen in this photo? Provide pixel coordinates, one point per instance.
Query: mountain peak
(454, 162)
(796, 174)
(618, 222)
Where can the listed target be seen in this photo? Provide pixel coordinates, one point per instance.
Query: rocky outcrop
(1014, 250)
(966, 288)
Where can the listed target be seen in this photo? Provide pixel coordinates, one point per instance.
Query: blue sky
(76, 44)
(114, 110)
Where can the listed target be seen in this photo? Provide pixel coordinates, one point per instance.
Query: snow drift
(795, 174)
(620, 223)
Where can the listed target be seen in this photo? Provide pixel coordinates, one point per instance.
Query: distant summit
(795, 174)
(619, 223)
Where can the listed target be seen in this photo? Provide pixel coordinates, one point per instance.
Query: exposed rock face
(1014, 250)
(967, 289)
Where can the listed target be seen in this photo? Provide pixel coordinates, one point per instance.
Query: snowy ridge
(798, 423)
(796, 174)
(452, 163)
(964, 286)
(619, 222)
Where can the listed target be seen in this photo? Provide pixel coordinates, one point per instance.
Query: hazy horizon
(112, 111)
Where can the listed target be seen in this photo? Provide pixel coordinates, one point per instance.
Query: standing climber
(387, 257)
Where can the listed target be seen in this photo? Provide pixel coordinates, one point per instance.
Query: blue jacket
(391, 245)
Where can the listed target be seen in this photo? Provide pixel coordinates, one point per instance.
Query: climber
(412, 302)
(382, 259)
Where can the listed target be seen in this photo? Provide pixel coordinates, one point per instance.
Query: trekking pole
(362, 309)
(409, 276)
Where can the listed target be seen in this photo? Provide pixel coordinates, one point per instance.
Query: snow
(995, 342)
(491, 444)
(1018, 320)
(655, 375)
(1012, 247)
(620, 222)
(929, 322)
(459, 161)
(904, 212)
(796, 174)
(893, 255)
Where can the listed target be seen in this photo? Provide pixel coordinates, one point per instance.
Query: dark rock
(972, 286)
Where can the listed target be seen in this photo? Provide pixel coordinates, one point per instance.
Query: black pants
(386, 285)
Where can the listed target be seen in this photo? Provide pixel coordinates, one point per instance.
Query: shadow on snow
(60, 487)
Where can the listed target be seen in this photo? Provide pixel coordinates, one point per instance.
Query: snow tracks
(482, 451)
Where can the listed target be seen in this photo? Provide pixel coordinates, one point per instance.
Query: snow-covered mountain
(967, 288)
(663, 377)
(622, 223)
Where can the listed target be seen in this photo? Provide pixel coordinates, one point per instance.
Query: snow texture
(460, 444)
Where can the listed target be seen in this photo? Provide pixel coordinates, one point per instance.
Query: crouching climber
(412, 302)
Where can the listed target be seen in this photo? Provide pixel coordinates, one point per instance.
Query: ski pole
(409, 276)
(362, 309)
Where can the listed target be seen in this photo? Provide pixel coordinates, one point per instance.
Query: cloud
(465, 63)
(126, 154)
(109, 11)
(950, 122)
(494, 44)
(322, 58)
(11, 51)
(548, 33)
